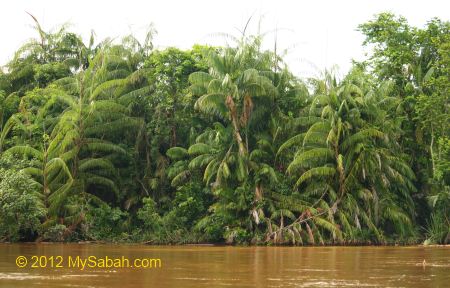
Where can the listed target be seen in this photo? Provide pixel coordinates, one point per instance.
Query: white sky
(320, 33)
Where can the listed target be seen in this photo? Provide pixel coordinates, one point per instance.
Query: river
(223, 266)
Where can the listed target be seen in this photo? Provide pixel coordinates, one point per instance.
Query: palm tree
(244, 91)
(52, 175)
(51, 56)
(83, 134)
(235, 89)
(343, 156)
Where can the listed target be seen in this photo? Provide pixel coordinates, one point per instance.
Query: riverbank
(227, 245)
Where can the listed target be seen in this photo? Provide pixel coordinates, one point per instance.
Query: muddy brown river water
(205, 266)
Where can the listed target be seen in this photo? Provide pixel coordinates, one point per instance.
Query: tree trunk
(432, 152)
(234, 120)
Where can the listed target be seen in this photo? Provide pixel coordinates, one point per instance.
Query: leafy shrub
(176, 225)
(46, 73)
(148, 215)
(20, 206)
(55, 233)
(189, 204)
(212, 228)
(106, 223)
(438, 231)
(238, 236)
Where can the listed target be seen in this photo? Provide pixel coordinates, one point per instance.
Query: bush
(438, 231)
(148, 215)
(177, 225)
(238, 235)
(55, 233)
(106, 223)
(21, 208)
(212, 228)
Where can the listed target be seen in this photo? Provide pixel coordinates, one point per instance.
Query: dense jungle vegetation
(119, 141)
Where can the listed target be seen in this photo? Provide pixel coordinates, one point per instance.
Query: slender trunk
(234, 120)
(340, 170)
(432, 152)
(258, 192)
(174, 128)
(1, 121)
(237, 135)
(281, 226)
(174, 136)
(44, 181)
(310, 233)
(258, 213)
(79, 141)
(147, 154)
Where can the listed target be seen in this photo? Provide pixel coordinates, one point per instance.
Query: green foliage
(148, 215)
(438, 231)
(418, 62)
(55, 233)
(121, 142)
(105, 223)
(21, 206)
(176, 226)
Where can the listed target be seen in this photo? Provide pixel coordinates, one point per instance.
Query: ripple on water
(28, 276)
(65, 285)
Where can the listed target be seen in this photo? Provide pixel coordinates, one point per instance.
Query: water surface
(200, 266)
